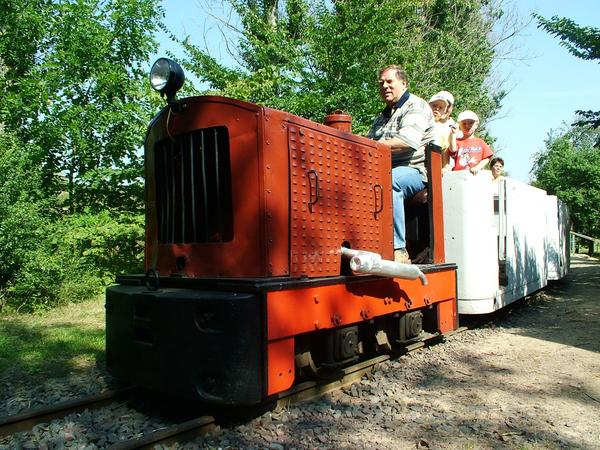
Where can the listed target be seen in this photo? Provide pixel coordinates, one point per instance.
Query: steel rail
(28, 419)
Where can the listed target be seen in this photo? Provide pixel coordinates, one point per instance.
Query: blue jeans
(406, 182)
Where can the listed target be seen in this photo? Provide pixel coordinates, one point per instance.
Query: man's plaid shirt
(413, 123)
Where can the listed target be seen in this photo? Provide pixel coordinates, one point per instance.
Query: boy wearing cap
(441, 105)
(470, 152)
(446, 118)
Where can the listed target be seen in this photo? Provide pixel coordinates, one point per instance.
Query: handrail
(589, 238)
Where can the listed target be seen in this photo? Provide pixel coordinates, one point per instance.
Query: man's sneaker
(401, 256)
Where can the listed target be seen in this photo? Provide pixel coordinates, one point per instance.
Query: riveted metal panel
(339, 193)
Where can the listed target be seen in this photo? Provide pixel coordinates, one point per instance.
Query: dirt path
(528, 380)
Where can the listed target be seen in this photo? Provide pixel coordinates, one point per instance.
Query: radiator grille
(193, 187)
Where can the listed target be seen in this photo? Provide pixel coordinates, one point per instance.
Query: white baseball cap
(439, 97)
(447, 96)
(467, 115)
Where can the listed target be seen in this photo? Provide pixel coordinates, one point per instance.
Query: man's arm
(397, 145)
(411, 127)
(407, 128)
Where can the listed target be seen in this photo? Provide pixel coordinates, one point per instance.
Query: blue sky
(547, 88)
(547, 85)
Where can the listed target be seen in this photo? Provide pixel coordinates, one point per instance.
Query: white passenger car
(557, 238)
(498, 235)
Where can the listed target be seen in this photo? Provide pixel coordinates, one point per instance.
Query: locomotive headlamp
(166, 77)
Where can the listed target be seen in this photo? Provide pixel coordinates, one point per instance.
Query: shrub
(73, 259)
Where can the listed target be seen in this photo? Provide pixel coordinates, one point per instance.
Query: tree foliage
(74, 87)
(310, 58)
(582, 42)
(569, 168)
(73, 111)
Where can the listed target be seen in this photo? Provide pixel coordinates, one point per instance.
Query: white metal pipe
(349, 252)
(363, 262)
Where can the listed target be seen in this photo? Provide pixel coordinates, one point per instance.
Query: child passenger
(447, 118)
(441, 105)
(468, 152)
(497, 166)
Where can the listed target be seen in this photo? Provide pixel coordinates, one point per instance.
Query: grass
(55, 342)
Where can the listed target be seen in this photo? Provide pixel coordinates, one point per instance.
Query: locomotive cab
(424, 214)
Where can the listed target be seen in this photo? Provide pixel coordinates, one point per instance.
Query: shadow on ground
(563, 309)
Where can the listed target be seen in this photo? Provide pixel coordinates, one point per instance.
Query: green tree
(582, 42)
(75, 87)
(569, 168)
(23, 217)
(73, 112)
(310, 58)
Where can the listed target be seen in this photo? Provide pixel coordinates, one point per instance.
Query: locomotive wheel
(324, 354)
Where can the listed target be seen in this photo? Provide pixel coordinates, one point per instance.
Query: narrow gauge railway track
(305, 391)
(26, 420)
(189, 429)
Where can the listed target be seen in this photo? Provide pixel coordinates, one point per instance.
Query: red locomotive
(250, 213)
